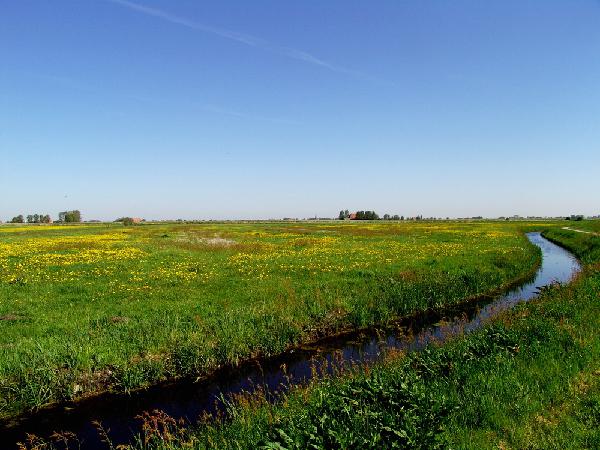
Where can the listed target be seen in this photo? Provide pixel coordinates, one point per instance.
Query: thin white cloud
(233, 113)
(242, 38)
(70, 83)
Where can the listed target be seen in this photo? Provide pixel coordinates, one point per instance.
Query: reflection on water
(189, 400)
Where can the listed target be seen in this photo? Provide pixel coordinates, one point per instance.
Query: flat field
(528, 379)
(88, 308)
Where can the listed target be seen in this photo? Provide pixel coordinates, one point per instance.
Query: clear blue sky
(169, 109)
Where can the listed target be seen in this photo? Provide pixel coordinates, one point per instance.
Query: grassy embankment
(529, 379)
(89, 308)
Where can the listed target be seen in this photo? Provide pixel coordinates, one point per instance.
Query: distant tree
(69, 216)
(386, 217)
(344, 214)
(75, 216)
(46, 219)
(29, 218)
(366, 215)
(17, 219)
(395, 217)
(127, 221)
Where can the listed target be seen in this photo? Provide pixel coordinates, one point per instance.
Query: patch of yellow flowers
(49, 259)
(336, 254)
(288, 250)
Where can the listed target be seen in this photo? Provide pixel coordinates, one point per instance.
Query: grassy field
(528, 379)
(88, 308)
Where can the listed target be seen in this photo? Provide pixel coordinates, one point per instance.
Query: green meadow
(530, 378)
(90, 308)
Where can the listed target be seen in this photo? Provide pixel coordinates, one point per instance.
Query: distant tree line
(32, 218)
(366, 215)
(39, 218)
(64, 216)
(394, 217)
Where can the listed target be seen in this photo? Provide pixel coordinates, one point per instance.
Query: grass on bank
(89, 308)
(530, 379)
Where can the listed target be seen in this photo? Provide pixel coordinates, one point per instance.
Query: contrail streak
(242, 38)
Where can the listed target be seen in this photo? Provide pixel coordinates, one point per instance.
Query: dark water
(188, 400)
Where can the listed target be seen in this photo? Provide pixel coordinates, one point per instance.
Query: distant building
(352, 216)
(137, 219)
